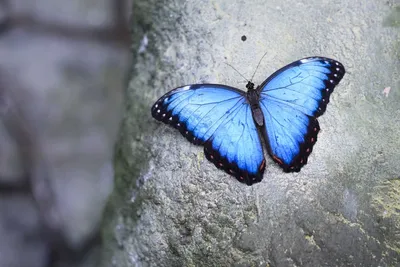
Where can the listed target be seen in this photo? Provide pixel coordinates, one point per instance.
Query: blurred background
(63, 74)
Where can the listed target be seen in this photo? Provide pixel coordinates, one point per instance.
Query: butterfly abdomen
(258, 116)
(253, 98)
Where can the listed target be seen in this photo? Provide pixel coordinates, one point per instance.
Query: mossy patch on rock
(385, 201)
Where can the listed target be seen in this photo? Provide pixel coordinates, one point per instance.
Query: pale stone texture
(177, 209)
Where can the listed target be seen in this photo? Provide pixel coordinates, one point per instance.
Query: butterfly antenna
(258, 65)
(237, 71)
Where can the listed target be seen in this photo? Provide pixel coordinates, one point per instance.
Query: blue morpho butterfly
(230, 123)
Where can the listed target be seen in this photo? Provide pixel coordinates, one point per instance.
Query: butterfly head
(250, 86)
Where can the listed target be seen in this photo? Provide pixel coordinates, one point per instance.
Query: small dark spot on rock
(244, 38)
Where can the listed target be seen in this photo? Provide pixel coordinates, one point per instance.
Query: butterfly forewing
(218, 117)
(291, 99)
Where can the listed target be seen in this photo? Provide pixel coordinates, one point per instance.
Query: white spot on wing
(187, 87)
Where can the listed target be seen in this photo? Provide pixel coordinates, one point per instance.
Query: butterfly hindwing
(219, 118)
(291, 100)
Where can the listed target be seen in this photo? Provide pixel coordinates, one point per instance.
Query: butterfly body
(230, 123)
(253, 98)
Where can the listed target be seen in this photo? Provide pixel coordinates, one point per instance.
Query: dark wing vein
(224, 119)
(210, 111)
(287, 103)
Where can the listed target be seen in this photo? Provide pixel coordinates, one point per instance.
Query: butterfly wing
(291, 100)
(218, 117)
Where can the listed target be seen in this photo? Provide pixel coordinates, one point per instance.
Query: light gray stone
(177, 209)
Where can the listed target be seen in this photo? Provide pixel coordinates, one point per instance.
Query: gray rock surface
(176, 209)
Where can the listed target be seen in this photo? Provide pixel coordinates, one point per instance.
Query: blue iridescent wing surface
(219, 118)
(291, 100)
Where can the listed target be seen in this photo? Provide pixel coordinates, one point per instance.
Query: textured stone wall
(177, 209)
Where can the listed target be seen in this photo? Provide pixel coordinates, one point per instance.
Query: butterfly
(231, 123)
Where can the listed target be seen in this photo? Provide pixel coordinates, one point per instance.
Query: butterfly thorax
(253, 97)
